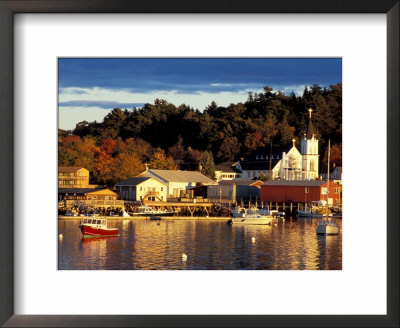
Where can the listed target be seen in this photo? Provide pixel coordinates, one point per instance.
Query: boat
(97, 228)
(327, 225)
(249, 216)
(70, 213)
(276, 213)
(149, 211)
(125, 214)
(315, 210)
(239, 211)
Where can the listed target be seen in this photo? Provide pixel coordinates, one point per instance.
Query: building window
(307, 190)
(336, 190)
(162, 188)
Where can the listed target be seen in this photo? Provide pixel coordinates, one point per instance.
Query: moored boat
(249, 216)
(327, 225)
(315, 210)
(97, 228)
(274, 213)
(149, 211)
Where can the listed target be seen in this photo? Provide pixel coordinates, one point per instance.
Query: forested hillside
(162, 132)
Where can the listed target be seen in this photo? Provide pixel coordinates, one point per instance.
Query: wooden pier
(181, 208)
(100, 206)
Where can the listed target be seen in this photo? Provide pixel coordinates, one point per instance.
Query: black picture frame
(10, 7)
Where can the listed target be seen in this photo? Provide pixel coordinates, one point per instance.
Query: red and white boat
(97, 228)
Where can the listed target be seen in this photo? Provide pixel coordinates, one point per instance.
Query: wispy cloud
(98, 103)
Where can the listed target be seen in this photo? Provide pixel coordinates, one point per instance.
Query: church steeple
(309, 151)
(310, 129)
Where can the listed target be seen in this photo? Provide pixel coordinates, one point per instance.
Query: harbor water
(289, 244)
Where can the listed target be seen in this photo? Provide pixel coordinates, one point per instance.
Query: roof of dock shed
(298, 183)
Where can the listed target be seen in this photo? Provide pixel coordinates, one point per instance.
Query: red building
(297, 191)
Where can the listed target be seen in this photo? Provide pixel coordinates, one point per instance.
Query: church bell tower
(309, 152)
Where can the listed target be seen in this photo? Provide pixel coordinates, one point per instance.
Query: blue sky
(90, 87)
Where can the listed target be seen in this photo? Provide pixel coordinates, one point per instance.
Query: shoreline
(144, 218)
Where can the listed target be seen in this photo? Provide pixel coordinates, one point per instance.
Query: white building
(176, 181)
(227, 171)
(141, 188)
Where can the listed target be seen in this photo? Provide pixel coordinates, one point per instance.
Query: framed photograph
(67, 68)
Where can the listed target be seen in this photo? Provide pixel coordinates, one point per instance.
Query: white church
(285, 164)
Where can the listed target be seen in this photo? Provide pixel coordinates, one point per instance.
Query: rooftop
(227, 167)
(240, 182)
(132, 181)
(299, 183)
(69, 169)
(179, 176)
(81, 191)
(260, 158)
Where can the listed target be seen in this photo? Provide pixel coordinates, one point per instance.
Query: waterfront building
(284, 163)
(88, 199)
(73, 177)
(300, 191)
(141, 188)
(177, 181)
(86, 194)
(227, 171)
(234, 190)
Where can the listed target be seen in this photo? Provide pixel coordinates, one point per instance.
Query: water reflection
(291, 244)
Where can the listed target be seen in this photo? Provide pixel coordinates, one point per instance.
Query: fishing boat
(97, 228)
(327, 225)
(149, 211)
(249, 216)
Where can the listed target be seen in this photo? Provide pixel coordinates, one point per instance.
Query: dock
(182, 208)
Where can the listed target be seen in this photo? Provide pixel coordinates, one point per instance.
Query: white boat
(149, 211)
(327, 225)
(276, 213)
(125, 214)
(249, 216)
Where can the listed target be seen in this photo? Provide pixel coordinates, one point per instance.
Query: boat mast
(327, 188)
